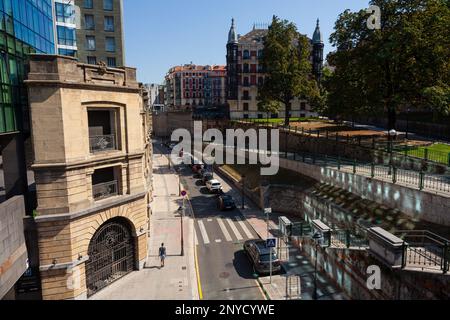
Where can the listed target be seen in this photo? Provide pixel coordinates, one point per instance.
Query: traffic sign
(271, 243)
(268, 210)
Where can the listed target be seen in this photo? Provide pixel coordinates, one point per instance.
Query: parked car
(259, 255)
(214, 186)
(226, 202)
(196, 168)
(207, 176)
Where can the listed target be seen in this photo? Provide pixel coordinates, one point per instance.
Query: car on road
(214, 186)
(197, 168)
(207, 176)
(226, 202)
(259, 255)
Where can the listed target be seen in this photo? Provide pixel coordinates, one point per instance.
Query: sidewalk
(296, 264)
(177, 280)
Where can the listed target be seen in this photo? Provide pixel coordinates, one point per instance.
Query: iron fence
(397, 148)
(426, 250)
(409, 178)
(105, 190)
(102, 143)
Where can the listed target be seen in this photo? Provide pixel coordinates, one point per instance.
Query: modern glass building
(26, 26)
(65, 21)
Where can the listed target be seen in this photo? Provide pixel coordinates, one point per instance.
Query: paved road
(225, 272)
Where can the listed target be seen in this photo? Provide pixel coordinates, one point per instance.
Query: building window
(89, 22)
(105, 183)
(111, 61)
(246, 54)
(245, 116)
(110, 44)
(109, 23)
(91, 60)
(102, 130)
(65, 13)
(66, 36)
(246, 68)
(88, 4)
(260, 116)
(260, 68)
(108, 5)
(303, 106)
(90, 43)
(260, 54)
(245, 106)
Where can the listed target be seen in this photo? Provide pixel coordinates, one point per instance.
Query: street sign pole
(271, 265)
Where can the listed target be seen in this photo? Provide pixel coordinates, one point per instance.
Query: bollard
(372, 170)
(347, 238)
(449, 159)
(339, 163)
(354, 166)
(426, 154)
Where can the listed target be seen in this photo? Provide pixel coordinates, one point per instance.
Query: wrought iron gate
(111, 256)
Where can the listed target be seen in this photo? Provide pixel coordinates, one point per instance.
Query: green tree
(404, 64)
(287, 67)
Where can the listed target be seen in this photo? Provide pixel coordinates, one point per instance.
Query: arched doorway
(111, 255)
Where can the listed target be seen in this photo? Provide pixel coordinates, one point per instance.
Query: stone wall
(65, 241)
(13, 250)
(166, 122)
(348, 268)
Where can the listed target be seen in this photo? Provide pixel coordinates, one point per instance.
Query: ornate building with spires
(245, 74)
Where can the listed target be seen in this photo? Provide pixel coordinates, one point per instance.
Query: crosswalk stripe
(235, 230)
(224, 230)
(244, 227)
(203, 232)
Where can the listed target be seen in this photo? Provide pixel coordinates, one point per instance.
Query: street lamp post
(316, 237)
(243, 192)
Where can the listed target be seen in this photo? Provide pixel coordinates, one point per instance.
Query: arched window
(246, 54)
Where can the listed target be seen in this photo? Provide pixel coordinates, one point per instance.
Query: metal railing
(102, 143)
(397, 148)
(105, 190)
(426, 250)
(408, 178)
(348, 239)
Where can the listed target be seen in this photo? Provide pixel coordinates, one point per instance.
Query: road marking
(235, 230)
(244, 227)
(218, 241)
(199, 284)
(224, 230)
(203, 232)
(195, 237)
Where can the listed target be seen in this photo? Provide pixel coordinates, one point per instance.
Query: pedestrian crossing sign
(271, 243)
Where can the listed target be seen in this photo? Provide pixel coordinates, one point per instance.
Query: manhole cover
(229, 266)
(224, 275)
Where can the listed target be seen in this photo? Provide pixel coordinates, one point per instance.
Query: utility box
(319, 226)
(387, 247)
(285, 227)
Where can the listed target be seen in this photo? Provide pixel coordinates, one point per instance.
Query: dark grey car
(259, 255)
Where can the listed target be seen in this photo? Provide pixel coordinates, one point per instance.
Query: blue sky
(162, 33)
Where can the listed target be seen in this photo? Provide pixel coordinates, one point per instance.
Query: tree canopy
(404, 64)
(287, 67)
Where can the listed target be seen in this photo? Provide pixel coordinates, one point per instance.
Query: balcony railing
(105, 190)
(102, 143)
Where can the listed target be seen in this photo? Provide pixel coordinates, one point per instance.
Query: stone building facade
(190, 86)
(245, 74)
(92, 166)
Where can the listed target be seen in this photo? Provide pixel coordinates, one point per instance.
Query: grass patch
(437, 152)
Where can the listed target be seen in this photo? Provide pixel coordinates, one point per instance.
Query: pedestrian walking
(162, 254)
